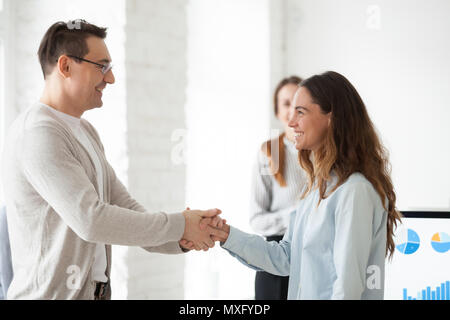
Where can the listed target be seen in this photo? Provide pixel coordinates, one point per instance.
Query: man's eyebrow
(104, 61)
(300, 107)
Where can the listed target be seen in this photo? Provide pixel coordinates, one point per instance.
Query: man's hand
(201, 234)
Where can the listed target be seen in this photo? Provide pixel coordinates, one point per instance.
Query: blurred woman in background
(276, 187)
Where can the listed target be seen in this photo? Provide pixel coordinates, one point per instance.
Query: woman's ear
(329, 119)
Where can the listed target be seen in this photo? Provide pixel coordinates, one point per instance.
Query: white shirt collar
(72, 122)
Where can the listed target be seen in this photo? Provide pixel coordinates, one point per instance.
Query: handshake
(202, 229)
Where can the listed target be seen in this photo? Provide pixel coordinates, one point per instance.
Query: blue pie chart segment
(408, 241)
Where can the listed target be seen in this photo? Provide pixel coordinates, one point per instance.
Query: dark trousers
(102, 291)
(269, 286)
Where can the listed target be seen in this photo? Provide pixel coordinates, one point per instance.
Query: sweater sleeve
(61, 181)
(121, 198)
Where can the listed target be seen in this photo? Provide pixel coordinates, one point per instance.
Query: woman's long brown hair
(276, 164)
(351, 145)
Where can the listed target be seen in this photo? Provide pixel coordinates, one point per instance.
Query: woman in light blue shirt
(339, 236)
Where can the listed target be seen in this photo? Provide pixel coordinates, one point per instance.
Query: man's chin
(98, 105)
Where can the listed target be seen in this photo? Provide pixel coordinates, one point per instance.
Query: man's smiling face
(87, 79)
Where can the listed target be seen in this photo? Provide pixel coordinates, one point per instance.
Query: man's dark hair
(66, 38)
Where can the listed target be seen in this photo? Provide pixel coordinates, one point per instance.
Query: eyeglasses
(105, 67)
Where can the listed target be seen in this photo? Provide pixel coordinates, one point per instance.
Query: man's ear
(64, 66)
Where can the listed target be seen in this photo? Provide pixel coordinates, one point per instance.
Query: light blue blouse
(333, 251)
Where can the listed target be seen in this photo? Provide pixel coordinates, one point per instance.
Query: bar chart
(441, 292)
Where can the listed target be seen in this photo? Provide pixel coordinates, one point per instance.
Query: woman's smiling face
(309, 123)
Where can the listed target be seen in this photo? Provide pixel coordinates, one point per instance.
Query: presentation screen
(420, 268)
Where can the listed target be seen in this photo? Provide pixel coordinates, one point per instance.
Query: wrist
(184, 213)
(225, 228)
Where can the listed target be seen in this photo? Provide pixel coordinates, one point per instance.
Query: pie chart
(408, 241)
(440, 242)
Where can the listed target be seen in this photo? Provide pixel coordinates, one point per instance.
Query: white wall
(396, 55)
(6, 73)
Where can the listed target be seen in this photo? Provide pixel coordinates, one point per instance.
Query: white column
(156, 82)
(228, 105)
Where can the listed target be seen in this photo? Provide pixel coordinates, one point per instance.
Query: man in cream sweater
(65, 205)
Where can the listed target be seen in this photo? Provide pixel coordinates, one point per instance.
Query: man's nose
(109, 77)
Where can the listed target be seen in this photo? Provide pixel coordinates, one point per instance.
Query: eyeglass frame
(105, 67)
